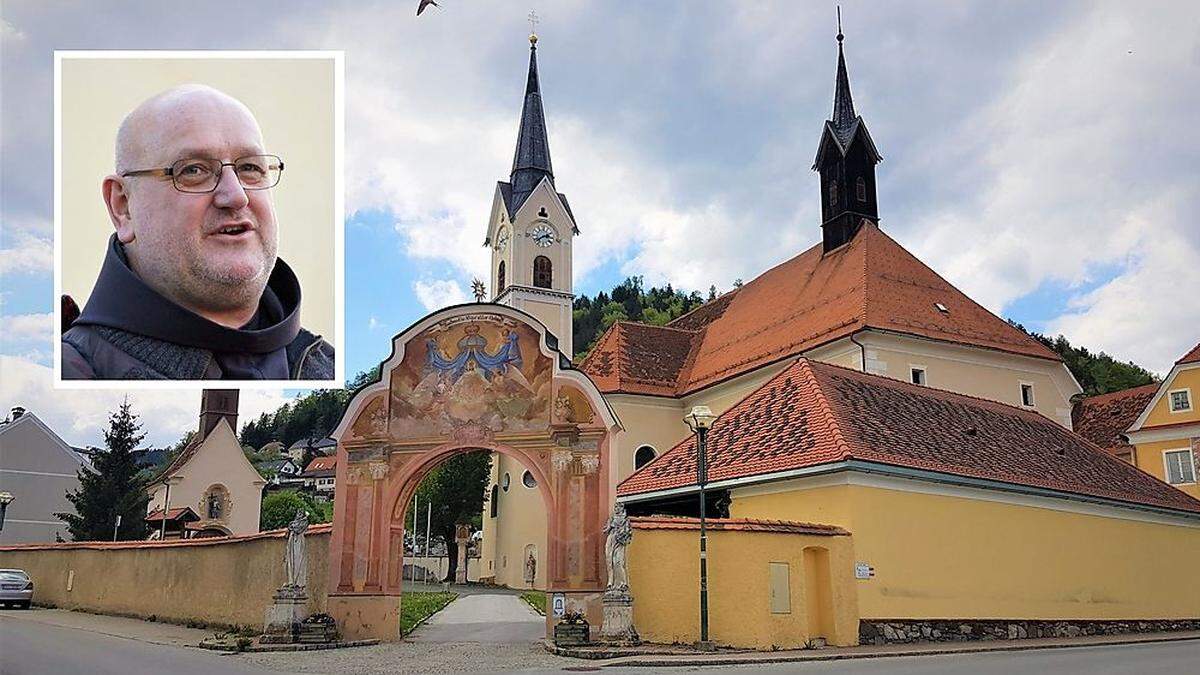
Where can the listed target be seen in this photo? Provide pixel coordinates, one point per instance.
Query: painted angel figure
(294, 559)
(619, 533)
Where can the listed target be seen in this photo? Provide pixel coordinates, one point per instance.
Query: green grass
(416, 607)
(536, 600)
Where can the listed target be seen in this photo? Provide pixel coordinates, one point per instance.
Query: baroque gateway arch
(466, 378)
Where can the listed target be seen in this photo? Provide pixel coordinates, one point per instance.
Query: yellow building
(965, 516)
(1155, 427)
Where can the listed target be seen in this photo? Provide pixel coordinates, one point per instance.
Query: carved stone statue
(294, 559)
(620, 533)
(530, 568)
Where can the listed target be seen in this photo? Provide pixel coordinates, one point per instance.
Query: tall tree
(629, 301)
(456, 490)
(113, 489)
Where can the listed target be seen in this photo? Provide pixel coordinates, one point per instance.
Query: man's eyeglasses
(200, 174)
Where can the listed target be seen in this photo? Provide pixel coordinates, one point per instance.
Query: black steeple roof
(843, 105)
(531, 161)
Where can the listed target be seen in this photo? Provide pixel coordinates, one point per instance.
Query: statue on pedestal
(294, 559)
(618, 603)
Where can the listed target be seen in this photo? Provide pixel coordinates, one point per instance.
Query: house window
(860, 187)
(495, 500)
(1181, 400)
(917, 375)
(541, 272)
(643, 456)
(1027, 394)
(505, 482)
(833, 195)
(1180, 467)
(500, 278)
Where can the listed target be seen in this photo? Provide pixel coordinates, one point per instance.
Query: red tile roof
(1102, 419)
(810, 300)
(323, 528)
(814, 413)
(182, 512)
(321, 464)
(735, 525)
(1191, 357)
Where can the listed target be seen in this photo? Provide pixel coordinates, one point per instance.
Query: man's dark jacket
(127, 331)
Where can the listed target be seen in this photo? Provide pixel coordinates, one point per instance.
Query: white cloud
(80, 417)
(27, 327)
(24, 252)
(436, 294)
(372, 322)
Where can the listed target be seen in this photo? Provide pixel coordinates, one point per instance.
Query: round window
(504, 482)
(529, 480)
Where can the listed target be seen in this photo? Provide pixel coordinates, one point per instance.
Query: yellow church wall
(664, 573)
(937, 556)
(520, 523)
(1150, 459)
(1160, 414)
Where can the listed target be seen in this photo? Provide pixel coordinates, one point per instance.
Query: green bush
(278, 509)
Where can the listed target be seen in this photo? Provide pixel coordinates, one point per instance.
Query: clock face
(542, 235)
(502, 240)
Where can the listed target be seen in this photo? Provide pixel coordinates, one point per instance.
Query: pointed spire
(843, 105)
(531, 161)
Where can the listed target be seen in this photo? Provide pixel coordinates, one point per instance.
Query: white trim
(1154, 434)
(1167, 468)
(1170, 403)
(639, 447)
(39, 473)
(339, 210)
(1162, 390)
(58, 523)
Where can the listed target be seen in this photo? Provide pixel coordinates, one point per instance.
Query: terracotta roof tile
(1191, 357)
(323, 528)
(814, 413)
(734, 525)
(1102, 419)
(173, 514)
(321, 464)
(637, 357)
(810, 300)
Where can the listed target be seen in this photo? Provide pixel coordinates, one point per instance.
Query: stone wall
(891, 631)
(223, 581)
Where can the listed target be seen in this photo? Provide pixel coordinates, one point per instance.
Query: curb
(760, 658)
(294, 647)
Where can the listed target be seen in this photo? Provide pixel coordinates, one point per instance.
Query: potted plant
(572, 630)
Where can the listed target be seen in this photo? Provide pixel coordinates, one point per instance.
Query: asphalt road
(33, 648)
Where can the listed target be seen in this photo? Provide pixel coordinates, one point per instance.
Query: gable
(27, 444)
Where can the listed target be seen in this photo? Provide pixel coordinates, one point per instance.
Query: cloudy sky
(1041, 156)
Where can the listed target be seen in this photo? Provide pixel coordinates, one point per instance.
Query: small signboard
(559, 604)
(863, 571)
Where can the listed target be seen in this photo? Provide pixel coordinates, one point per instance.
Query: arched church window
(643, 456)
(495, 500)
(860, 186)
(528, 480)
(833, 195)
(542, 276)
(500, 278)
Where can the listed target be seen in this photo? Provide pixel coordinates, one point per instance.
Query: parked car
(16, 588)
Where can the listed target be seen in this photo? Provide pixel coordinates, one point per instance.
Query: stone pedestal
(618, 620)
(285, 615)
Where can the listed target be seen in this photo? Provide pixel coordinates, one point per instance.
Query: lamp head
(6, 498)
(701, 417)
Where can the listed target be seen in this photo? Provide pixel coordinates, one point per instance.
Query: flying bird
(425, 3)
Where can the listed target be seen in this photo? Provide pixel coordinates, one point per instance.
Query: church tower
(846, 159)
(217, 405)
(531, 227)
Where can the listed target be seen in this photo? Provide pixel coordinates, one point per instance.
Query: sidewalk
(665, 655)
(113, 626)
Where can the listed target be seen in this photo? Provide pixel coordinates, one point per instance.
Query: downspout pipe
(863, 350)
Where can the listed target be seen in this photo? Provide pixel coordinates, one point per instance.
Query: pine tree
(113, 488)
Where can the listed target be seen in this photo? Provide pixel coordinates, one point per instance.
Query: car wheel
(23, 605)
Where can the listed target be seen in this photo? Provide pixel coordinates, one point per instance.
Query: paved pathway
(488, 618)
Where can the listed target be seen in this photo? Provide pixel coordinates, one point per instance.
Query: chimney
(17, 412)
(217, 405)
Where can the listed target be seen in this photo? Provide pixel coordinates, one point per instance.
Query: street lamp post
(6, 498)
(700, 420)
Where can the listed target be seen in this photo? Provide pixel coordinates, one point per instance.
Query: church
(887, 454)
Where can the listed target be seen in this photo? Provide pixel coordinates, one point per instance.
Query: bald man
(191, 287)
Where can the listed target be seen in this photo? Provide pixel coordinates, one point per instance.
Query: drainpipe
(863, 350)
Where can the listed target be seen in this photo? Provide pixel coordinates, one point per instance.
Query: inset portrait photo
(198, 218)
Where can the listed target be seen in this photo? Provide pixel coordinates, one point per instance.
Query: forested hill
(1097, 373)
(630, 302)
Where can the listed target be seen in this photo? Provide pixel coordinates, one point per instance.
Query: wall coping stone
(736, 525)
(322, 528)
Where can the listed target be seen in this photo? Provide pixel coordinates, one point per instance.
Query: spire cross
(839, 17)
(533, 22)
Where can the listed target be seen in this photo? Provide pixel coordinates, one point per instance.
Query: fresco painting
(477, 369)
